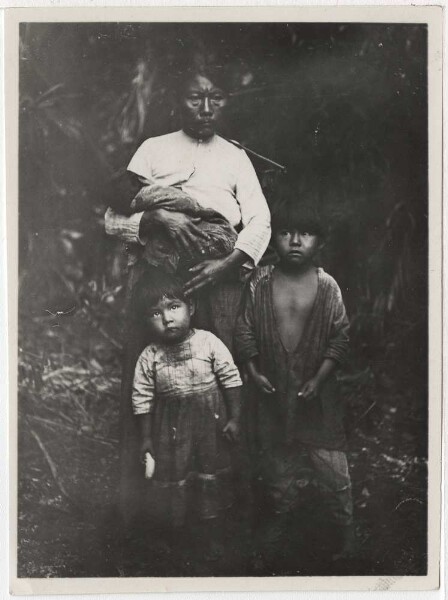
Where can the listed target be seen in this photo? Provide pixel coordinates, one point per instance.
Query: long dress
(181, 386)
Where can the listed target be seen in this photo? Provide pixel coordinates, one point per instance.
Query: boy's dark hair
(302, 216)
(295, 205)
(154, 285)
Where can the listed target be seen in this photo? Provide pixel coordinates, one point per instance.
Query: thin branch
(260, 156)
(366, 412)
(50, 423)
(64, 370)
(103, 332)
(59, 414)
(52, 466)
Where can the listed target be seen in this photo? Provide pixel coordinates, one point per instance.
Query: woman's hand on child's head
(263, 383)
(232, 430)
(310, 389)
(208, 272)
(146, 446)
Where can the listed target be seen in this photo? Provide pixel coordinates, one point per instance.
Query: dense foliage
(342, 106)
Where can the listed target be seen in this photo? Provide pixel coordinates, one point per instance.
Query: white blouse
(215, 173)
(198, 364)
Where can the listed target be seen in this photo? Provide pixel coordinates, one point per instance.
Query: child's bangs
(154, 285)
(303, 218)
(170, 292)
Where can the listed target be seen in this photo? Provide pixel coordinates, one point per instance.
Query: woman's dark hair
(215, 74)
(205, 64)
(153, 285)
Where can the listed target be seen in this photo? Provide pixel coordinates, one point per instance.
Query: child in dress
(186, 395)
(291, 335)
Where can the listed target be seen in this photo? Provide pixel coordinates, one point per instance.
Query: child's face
(169, 320)
(296, 248)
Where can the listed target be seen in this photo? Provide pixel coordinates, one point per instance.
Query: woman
(217, 175)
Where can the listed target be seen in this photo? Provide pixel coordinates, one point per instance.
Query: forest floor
(68, 469)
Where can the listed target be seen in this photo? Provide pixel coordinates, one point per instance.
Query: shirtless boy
(291, 335)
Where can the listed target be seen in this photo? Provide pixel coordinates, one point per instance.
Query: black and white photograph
(223, 299)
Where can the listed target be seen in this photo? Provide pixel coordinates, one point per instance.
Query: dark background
(344, 107)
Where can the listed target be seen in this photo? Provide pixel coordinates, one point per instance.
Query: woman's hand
(181, 229)
(210, 271)
(207, 272)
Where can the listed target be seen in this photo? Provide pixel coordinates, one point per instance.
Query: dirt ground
(68, 472)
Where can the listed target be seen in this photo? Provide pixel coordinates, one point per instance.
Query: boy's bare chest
(293, 302)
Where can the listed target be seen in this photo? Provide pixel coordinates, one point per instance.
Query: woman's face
(201, 106)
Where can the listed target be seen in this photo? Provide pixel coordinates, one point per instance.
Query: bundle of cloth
(162, 251)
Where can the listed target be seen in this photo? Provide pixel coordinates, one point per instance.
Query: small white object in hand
(149, 466)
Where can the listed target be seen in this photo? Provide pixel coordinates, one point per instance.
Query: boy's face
(169, 320)
(296, 248)
(201, 105)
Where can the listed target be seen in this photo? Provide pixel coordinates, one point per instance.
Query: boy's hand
(262, 383)
(146, 446)
(232, 430)
(310, 389)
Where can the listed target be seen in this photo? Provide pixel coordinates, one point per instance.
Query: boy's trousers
(284, 474)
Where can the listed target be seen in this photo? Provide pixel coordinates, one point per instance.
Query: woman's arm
(137, 227)
(252, 240)
(244, 337)
(126, 229)
(255, 216)
(119, 220)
